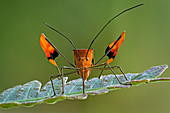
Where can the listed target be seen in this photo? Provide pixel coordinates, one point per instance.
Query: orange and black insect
(84, 62)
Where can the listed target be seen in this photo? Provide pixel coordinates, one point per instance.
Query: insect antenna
(108, 23)
(64, 37)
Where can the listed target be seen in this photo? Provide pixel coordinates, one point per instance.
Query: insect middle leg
(98, 66)
(62, 73)
(56, 76)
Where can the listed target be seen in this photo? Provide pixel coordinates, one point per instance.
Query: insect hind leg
(121, 71)
(111, 68)
(54, 76)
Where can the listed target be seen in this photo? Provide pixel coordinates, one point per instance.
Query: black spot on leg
(54, 55)
(110, 54)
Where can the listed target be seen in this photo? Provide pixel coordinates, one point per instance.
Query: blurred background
(147, 44)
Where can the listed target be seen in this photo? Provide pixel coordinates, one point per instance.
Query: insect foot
(127, 83)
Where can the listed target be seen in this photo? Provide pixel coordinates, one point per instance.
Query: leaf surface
(32, 93)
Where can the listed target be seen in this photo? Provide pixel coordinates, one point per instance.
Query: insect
(84, 61)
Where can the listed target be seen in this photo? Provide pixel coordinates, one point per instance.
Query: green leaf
(31, 93)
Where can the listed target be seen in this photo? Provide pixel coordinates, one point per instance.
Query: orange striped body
(83, 63)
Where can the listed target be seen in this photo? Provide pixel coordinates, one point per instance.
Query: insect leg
(101, 69)
(101, 72)
(58, 69)
(83, 80)
(98, 66)
(83, 84)
(121, 71)
(59, 75)
(51, 77)
(111, 68)
(62, 73)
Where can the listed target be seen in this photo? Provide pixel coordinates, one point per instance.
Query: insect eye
(87, 58)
